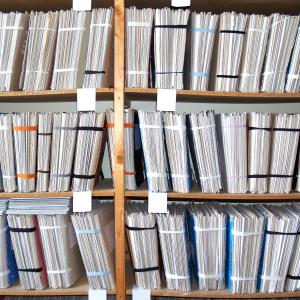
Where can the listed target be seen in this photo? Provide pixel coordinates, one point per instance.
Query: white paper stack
(177, 150)
(281, 231)
(286, 130)
(152, 136)
(174, 247)
(88, 147)
(13, 29)
(100, 49)
(96, 239)
(62, 150)
(130, 179)
(254, 49)
(203, 27)
(293, 76)
(229, 53)
(259, 151)
(169, 47)
(205, 147)
(39, 52)
(7, 159)
(297, 188)
(138, 40)
(234, 137)
(71, 49)
(25, 139)
(282, 36)
(143, 244)
(44, 151)
(208, 234)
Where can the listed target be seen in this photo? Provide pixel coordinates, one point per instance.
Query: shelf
(103, 189)
(80, 288)
(210, 96)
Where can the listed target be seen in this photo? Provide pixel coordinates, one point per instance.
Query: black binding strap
(146, 269)
(258, 176)
(139, 228)
(175, 72)
(11, 229)
(180, 7)
(281, 233)
(92, 72)
(43, 172)
(37, 270)
(45, 133)
(293, 277)
(259, 128)
(87, 128)
(171, 26)
(227, 76)
(286, 129)
(232, 31)
(84, 176)
(280, 176)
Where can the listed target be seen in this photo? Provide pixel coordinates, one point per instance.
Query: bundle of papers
(285, 138)
(71, 49)
(143, 244)
(259, 151)
(229, 51)
(204, 146)
(254, 49)
(246, 231)
(13, 28)
(129, 143)
(39, 51)
(44, 151)
(100, 49)
(7, 159)
(25, 139)
(177, 151)
(281, 40)
(96, 239)
(88, 148)
(152, 136)
(169, 47)
(207, 229)
(297, 189)
(138, 40)
(203, 28)
(174, 247)
(62, 150)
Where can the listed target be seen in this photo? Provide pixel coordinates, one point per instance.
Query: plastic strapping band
(87, 128)
(150, 126)
(248, 75)
(203, 127)
(60, 175)
(178, 277)
(4, 127)
(37, 270)
(283, 20)
(259, 128)
(65, 128)
(228, 76)
(233, 126)
(146, 269)
(6, 72)
(272, 72)
(175, 127)
(11, 27)
(171, 231)
(232, 31)
(256, 30)
(52, 227)
(281, 233)
(93, 72)
(180, 175)
(235, 278)
(65, 70)
(43, 171)
(42, 28)
(101, 25)
(169, 72)
(204, 30)
(211, 276)
(88, 231)
(77, 176)
(171, 26)
(139, 228)
(293, 277)
(287, 129)
(136, 72)
(280, 176)
(25, 128)
(210, 177)
(94, 274)
(26, 176)
(8, 176)
(242, 233)
(154, 174)
(45, 133)
(71, 29)
(139, 24)
(58, 271)
(200, 74)
(293, 76)
(199, 229)
(24, 230)
(272, 278)
(254, 176)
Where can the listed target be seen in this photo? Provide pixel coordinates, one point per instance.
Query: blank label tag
(97, 294)
(141, 294)
(157, 202)
(181, 3)
(82, 201)
(82, 4)
(86, 99)
(166, 99)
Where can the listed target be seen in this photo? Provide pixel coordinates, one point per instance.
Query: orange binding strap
(26, 176)
(25, 128)
(126, 173)
(126, 125)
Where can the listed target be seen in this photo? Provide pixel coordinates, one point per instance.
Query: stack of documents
(281, 232)
(143, 244)
(229, 52)
(177, 151)
(203, 29)
(100, 49)
(152, 136)
(174, 247)
(40, 47)
(207, 228)
(7, 152)
(96, 239)
(88, 147)
(62, 150)
(254, 49)
(204, 147)
(285, 138)
(44, 151)
(138, 40)
(297, 189)
(25, 138)
(169, 47)
(234, 145)
(13, 30)
(246, 232)
(259, 151)
(71, 49)
(281, 40)
(129, 144)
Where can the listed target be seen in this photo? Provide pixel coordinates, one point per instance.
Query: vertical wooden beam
(119, 40)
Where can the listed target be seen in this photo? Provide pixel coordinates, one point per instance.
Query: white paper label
(181, 3)
(82, 201)
(82, 4)
(166, 99)
(141, 294)
(86, 99)
(97, 294)
(157, 202)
